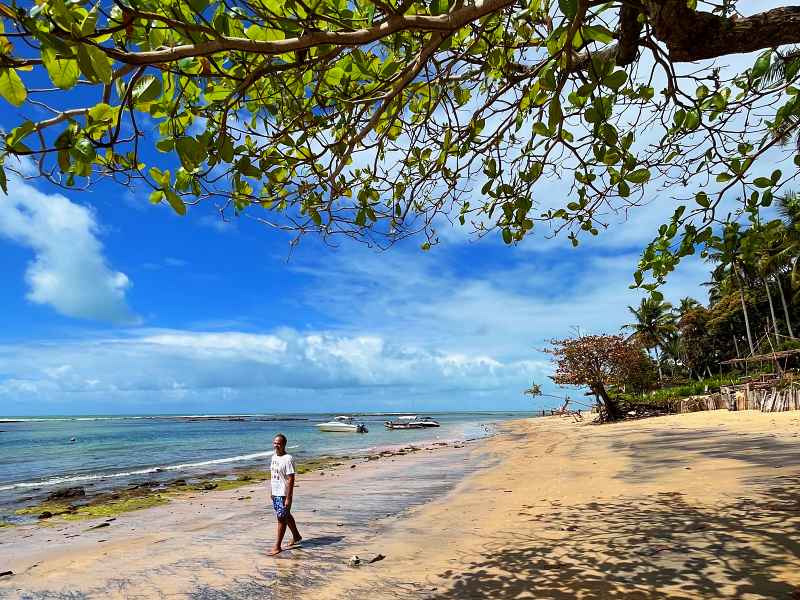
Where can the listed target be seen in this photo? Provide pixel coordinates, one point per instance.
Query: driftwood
(564, 411)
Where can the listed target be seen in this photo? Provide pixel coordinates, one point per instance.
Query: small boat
(426, 422)
(411, 422)
(403, 425)
(342, 424)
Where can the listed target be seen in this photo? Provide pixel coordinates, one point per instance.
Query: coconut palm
(685, 305)
(654, 322)
(726, 252)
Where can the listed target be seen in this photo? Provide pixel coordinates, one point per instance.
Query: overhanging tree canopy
(372, 118)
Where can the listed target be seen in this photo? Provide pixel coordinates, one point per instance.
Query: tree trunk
(785, 308)
(744, 310)
(772, 312)
(613, 411)
(680, 27)
(658, 364)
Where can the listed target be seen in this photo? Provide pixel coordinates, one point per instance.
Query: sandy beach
(702, 505)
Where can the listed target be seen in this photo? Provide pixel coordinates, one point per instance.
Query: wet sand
(704, 505)
(214, 544)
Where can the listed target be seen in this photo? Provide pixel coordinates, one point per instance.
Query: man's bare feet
(275, 551)
(295, 541)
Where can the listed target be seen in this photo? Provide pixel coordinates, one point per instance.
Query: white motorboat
(426, 422)
(342, 424)
(411, 422)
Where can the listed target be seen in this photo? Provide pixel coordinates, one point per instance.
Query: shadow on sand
(657, 547)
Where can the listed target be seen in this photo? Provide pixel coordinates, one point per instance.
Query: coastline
(218, 540)
(98, 478)
(698, 505)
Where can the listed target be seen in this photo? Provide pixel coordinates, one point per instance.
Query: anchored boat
(342, 424)
(411, 422)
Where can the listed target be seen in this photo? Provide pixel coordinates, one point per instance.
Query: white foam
(101, 476)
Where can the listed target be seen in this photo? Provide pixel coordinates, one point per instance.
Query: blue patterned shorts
(280, 510)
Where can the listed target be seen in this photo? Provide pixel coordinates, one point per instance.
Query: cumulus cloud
(241, 366)
(69, 271)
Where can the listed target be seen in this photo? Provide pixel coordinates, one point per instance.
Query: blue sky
(113, 305)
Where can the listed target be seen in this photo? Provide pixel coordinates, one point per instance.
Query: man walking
(282, 471)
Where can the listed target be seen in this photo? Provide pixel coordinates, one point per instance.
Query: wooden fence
(765, 399)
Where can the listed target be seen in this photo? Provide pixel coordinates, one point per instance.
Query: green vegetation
(371, 119)
(753, 309)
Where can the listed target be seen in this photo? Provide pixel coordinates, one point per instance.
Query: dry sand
(701, 505)
(704, 505)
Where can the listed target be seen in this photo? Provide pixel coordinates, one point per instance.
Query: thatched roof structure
(763, 357)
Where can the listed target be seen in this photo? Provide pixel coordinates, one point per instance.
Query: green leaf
(638, 176)
(598, 33)
(568, 7)
(555, 116)
(19, 133)
(334, 76)
(439, 7)
(89, 22)
(702, 199)
(263, 34)
(615, 80)
(101, 113)
(692, 120)
(11, 87)
(762, 64)
(63, 72)
(191, 152)
(175, 202)
(763, 182)
(147, 89)
(507, 237)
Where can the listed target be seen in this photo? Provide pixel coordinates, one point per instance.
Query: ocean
(42, 454)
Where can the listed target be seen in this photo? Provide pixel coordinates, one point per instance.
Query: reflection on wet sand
(214, 545)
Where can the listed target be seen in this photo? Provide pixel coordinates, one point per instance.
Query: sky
(111, 305)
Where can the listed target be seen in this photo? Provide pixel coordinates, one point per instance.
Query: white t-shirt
(281, 467)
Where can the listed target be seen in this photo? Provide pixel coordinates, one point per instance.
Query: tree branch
(694, 35)
(442, 23)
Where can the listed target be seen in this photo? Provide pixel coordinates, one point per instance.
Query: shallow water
(38, 455)
(216, 549)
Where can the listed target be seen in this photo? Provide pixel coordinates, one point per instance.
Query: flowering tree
(596, 361)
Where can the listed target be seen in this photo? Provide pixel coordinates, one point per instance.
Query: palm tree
(759, 248)
(685, 305)
(654, 322)
(726, 252)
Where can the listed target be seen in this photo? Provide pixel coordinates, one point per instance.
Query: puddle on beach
(219, 553)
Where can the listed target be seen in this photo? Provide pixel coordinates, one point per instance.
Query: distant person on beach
(282, 483)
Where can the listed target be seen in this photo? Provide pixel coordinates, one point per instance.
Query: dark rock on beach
(6, 573)
(45, 515)
(64, 493)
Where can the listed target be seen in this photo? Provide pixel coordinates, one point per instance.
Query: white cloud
(69, 271)
(196, 366)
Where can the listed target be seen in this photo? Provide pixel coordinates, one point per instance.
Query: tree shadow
(652, 547)
(669, 450)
